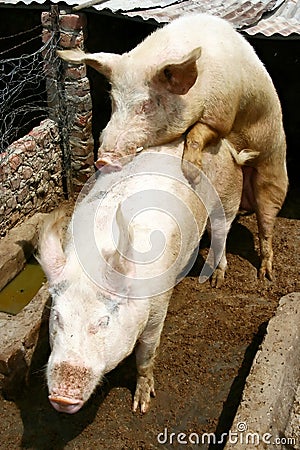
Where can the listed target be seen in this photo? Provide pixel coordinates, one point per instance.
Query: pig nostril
(65, 404)
(100, 163)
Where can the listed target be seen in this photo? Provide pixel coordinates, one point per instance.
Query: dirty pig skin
(92, 328)
(198, 70)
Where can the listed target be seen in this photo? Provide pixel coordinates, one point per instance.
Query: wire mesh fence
(31, 90)
(35, 159)
(23, 97)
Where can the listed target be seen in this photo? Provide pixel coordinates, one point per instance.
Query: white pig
(104, 307)
(198, 69)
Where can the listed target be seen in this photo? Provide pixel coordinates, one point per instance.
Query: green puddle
(22, 288)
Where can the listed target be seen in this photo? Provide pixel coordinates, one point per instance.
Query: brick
(72, 22)
(49, 70)
(90, 161)
(75, 72)
(46, 36)
(71, 39)
(84, 121)
(46, 19)
(79, 88)
(80, 148)
(84, 134)
(82, 104)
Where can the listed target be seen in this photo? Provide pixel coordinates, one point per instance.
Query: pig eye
(101, 323)
(56, 317)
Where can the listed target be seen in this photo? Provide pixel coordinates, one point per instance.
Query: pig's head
(147, 98)
(91, 329)
(80, 325)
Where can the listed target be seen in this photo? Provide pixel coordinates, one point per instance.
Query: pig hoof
(265, 272)
(217, 278)
(144, 391)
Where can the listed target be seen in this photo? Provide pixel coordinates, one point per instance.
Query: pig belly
(248, 199)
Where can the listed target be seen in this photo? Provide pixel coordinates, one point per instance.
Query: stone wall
(70, 31)
(57, 156)
(30, 175)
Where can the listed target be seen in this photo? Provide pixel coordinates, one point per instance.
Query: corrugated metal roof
(285, 21)
(267, 17)
(253, 17)
(240, 12)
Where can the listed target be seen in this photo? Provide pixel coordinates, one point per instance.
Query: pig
(105, 307)
(199, 71)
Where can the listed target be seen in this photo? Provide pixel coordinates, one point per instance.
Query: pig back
(163, 215)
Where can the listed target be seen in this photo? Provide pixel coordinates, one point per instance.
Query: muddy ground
(208, 344)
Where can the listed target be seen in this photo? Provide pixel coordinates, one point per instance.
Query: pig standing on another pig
(105, 307)
(198, 70)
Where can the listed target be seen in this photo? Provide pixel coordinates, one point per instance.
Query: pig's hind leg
(269, 186)
(145, 354)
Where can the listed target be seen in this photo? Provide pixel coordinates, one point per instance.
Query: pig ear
(179, 75)
(102, 62)
(119, 264)
(50, 253)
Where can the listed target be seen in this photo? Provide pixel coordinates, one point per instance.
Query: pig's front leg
(196, 140)
(145, 354)
(145, 382)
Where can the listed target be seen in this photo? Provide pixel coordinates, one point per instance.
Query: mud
(208, 344)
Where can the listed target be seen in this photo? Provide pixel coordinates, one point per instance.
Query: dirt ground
(208, 344)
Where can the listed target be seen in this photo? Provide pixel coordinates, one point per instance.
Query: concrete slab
(18, 337)
(293, 428)
(19, 333)
(268, 416)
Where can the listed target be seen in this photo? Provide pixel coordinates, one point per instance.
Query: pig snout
(106, 165)
(108, 162)
(65, 404)
(69, 386)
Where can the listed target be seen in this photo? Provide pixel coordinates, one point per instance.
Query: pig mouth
(65, 404)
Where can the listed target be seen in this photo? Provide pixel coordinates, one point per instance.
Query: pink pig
(198, 70)
(103, 309)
